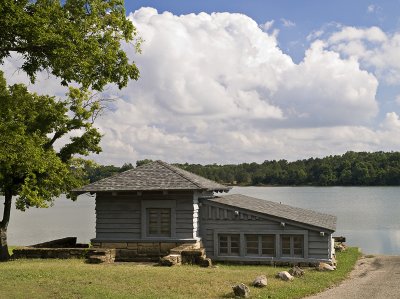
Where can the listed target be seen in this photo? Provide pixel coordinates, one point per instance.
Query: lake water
(369, 217)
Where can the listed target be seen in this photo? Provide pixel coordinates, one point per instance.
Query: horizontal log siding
(184, 217)
(118, 217)
(219, 219)
(318, 245)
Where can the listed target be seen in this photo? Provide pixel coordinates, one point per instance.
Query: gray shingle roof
(156, 175)
(278, 210)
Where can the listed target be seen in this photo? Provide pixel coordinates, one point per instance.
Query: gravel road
(375, 277)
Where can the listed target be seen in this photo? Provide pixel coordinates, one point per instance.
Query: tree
(30, 164)
(143, 162)
(75, 40)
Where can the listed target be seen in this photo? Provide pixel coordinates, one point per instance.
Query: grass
(75, 279)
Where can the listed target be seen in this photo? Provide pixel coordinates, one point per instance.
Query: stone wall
(57, 253)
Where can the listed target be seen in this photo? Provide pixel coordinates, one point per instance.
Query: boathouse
(151, 209)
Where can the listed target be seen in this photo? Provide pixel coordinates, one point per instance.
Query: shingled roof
(156, 175)
(278, 210)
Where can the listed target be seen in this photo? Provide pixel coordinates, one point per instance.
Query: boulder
(296, 271)
(205, 262)
(170, 260)
(284, 275)
(241, 290)
(260, 281)
(340, 247)
(325, 267)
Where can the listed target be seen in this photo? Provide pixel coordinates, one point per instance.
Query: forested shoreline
(349, 169)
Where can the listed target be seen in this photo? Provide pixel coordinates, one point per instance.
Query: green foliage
(75, 40)
(30, 165)
(97, 172)
(350, 169)
(143, 162)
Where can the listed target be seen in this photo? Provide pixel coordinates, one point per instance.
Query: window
(260, 245)
(158, 222)
(268, 245)
(229, 244)
(292, 245)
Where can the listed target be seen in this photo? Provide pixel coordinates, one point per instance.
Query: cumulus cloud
(218, 88)
(373, 48)
(391, 122)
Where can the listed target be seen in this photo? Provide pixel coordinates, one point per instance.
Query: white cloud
(391, 122)
(315, 34)
(327, 90)
(287, 23)
(374, 49)
(267, 26)
(371, 8)
(217, 88)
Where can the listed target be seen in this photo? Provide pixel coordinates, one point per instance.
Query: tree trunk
(4, 255)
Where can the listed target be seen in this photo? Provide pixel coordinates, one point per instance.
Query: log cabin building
(149, 210)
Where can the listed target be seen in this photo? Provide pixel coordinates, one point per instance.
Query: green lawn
(75, 279)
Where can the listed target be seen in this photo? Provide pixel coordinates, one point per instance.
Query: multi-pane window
(268, 245)
(292, 245)
(158, 222)
(260, 245)
(229, 244)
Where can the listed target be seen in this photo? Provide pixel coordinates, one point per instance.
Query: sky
(248, 81)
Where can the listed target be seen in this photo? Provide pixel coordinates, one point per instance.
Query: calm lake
(369, 217)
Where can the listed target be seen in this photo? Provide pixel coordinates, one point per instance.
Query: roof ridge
(174, 169)
(114, 175)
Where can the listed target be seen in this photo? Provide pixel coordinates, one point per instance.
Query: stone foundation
(140, 251)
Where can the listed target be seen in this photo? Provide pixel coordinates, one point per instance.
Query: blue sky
(307, 15)
(243, 81)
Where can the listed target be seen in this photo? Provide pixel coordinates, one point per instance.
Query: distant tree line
(349, 169)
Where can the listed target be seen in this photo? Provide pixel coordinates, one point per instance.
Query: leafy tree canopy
(32, 165)
(75, 40)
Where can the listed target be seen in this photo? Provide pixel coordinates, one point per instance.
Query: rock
(284, 275)
(241, 290)
(340, 247)
(334, 262)
(205, 262)
(170, 260)
(192, 256)
(296, 271)
(325, 267)
(260, 281)
(96, 259)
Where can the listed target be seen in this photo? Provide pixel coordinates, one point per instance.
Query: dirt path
(376, 277)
